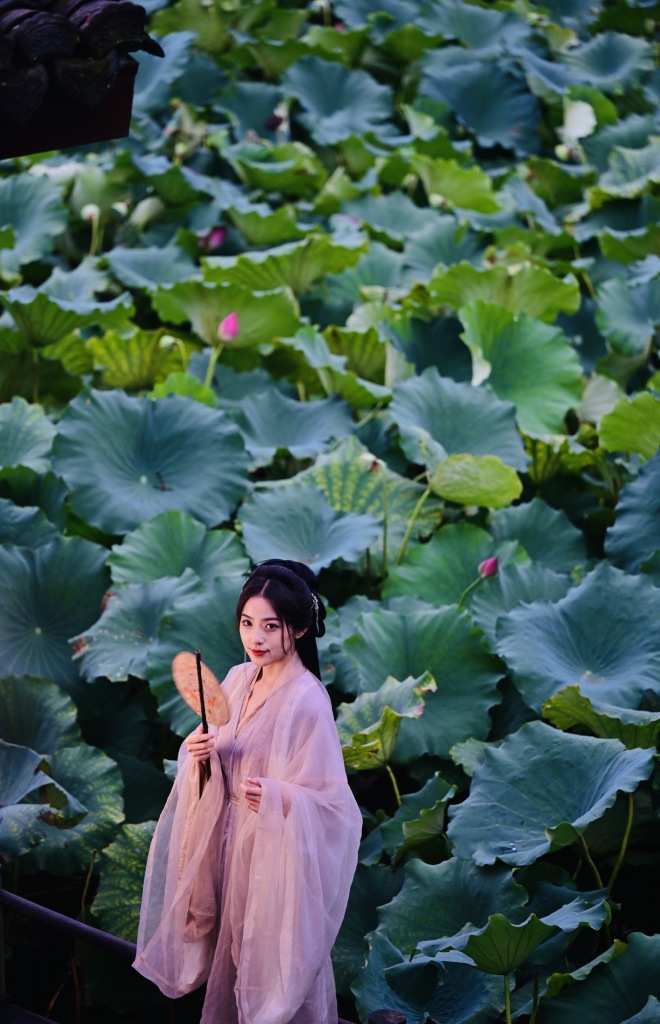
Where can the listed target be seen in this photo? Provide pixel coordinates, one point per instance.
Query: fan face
(184, 673)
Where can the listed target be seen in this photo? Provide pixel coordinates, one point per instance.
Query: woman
(246, 885)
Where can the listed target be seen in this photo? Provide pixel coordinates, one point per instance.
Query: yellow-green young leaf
(136, 362)
(445, 180)
(369, 726)
(476, 480)
(569, 707)
(525, 289)
(633, 426)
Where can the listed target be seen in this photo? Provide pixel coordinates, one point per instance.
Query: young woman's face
(264, 636)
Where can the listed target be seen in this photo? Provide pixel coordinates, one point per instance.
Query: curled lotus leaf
(600, 637)
(512, 815)
(635, 535)
(29, 527)
(570, 708)
(154, 462)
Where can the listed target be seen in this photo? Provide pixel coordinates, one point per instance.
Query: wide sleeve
(302, 864)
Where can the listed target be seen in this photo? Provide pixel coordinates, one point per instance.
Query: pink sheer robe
(252, 902)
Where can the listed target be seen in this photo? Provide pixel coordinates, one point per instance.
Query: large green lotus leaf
(261, 317)
(36, 713)
(94, 780)
(501, 946)
(488, 100)
(511, 813)
(118, 644)
(649, 1014)
(27, 527)
(298, 522)
(442, 241)
(525, 362)
(459, 995)
(146, 787)
(151, 267)
(169, 455)
(25, 825)
(613, 992)
(442, 642)
(513, 586)
(609, 60)
(431, 342)
(262, 226)
(446, 182)
(294, 265)
(290, 168)
(46, 596)
(635, 535)
(365, 351)
(156, 75)
(449, 899)
(354, 480)
(206, 622)
(476, 27)
(440, 571)
(569, 708)
(600, 637)
(371, 887)
(475, 480)
(175, 184)
(391, 217)
(546, 534)
(633, 426)
(249, 106)
(629, 246)
(417, 825)
(527, 289)
(172, 542)
(628, 314)
(43, 319)
(380, 268)
(337, 103)
(305, 429)
(436, 416)
(368, 727)
(187, 386)
(118, 897)
(629, 174)
(32, 206)
(136, 361)
(26, 436)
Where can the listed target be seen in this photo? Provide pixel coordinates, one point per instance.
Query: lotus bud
(228, 328)
(91, 213)
(212, 239)
(369, 463)
(489, 567)
(122, 207)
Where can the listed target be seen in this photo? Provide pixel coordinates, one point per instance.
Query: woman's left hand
(252, 790)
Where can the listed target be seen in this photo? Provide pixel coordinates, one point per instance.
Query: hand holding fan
(201, 691)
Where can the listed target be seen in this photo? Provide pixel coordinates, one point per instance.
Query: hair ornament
(315, 606)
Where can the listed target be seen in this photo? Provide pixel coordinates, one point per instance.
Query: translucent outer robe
(252, 902)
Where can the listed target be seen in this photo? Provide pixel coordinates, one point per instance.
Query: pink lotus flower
(488, 567)
(228, 328)
(212, 239)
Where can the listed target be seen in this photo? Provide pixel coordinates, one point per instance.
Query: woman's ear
(301, 632)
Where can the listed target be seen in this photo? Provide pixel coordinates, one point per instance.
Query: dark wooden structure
(66, 76)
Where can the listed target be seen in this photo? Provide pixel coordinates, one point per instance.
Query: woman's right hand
(200, 744)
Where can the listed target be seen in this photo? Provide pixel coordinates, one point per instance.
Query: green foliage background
(438, 226)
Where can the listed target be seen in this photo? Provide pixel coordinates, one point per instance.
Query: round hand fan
(200, 688)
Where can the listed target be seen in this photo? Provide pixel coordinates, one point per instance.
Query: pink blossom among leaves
(228, 328)
(488, 567)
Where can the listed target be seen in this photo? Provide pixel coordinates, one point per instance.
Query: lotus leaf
(368, 727)
(32, 206)
(417, 825)
(291, 168)
(546, 534)
(35, 713)
(512, 815)
(26, 436)
(614, 991)
(475, 480)
(118, 644)
(156, 75)
(95, 780)
(151, 267)
(635, 535)
(27, 527)
(46, 596)
(153, 465)
(435, 342)
(172, 542)
(462, 995)
(449, 184)
(136, 361)
(438, 415)
(390, 217)
(371, 887)
(117, 900)
(260, 225)
(627, 315)
(262, 317)
(305, 429)
(609, 60)
(205, 622)
(570, 708)
(298, 522)
(442, 642)
(599, 637)
(515, 585)
(337, 103)
(443, 241)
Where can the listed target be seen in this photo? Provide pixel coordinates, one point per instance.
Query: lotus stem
(535, 999)
(35, 377)
(507, 999)
(210, 369)
(384, 523)
(587, 857)
(624, 843)
(471, 586)
(411, 522)
(395, 787)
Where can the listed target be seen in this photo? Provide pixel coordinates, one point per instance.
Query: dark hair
(291, 588)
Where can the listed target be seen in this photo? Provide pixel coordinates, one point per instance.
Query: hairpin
(315, 606)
